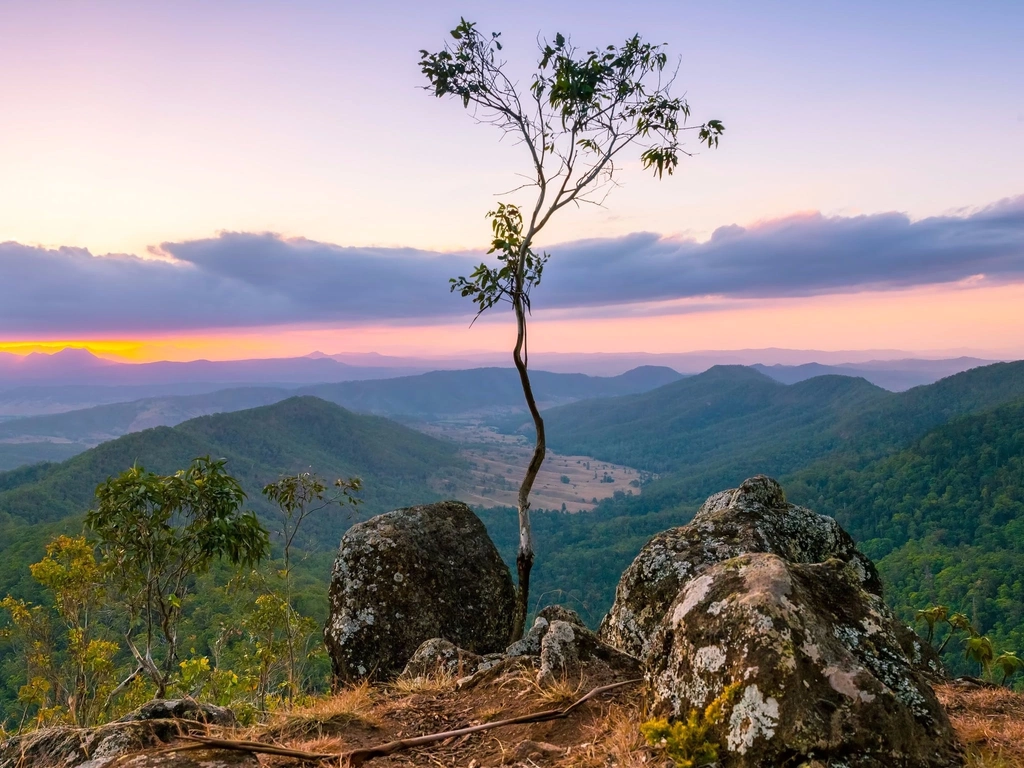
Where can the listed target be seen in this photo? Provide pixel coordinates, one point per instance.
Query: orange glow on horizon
(926, 321)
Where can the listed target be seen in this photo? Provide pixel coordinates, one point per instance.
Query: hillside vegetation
(928, 481)
(425, 397)
(399, 464)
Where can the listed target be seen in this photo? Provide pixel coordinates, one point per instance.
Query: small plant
(932, 616)
(688, 743)
(1009, 663)
(978, 648)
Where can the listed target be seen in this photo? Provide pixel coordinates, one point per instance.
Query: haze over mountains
(473, 393)
(71, 366)
(54, 406)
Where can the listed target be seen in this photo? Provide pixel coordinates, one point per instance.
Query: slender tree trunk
(524, 558)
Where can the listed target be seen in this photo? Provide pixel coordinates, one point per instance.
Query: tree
(580, 114)
(156, 533)
(298, 497)
(70, 672)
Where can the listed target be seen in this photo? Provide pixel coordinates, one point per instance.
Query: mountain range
(436, 395)
(80, 366)
(399, 464)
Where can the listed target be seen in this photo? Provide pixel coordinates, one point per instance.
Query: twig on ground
(357, 757)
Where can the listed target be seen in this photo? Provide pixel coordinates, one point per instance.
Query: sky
(250, 179)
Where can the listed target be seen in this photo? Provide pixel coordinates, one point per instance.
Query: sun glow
(133, 351)
(962, 316)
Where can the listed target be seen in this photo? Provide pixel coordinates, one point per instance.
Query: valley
(496, 463)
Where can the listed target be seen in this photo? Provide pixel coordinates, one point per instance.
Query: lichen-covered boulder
(752, 518)
(563, 648)
(810, 663)
(411, 575)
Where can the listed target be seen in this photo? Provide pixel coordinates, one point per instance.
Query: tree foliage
(156, 533)
(298, 497)
(69, 659)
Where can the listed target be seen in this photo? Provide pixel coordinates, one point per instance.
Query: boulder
(752, 518)
(563, 648)
(182, 709)
(808, 663)
(116, 745)
(411, 575)
(438, 655)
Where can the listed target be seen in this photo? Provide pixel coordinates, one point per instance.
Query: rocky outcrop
(411, 575)
(136, 744)
(752, 518)
(182, 709)
(558, 645)
(439, 656)
(809, 662)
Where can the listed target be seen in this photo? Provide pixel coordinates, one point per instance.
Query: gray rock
(182, 709)
(560, 613)
(752, 518)
(812, 660)
(439, 655)
(115, 744)
(561, 650)
(410, 575)
(529, 644)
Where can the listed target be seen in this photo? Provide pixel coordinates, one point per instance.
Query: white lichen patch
(693, 593)
(752, 716)
(710, 658)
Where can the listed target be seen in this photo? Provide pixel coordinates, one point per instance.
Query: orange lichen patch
(989, 722)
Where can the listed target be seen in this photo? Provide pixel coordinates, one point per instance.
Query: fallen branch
(357, 757)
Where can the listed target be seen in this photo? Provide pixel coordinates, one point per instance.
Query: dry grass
(326, 717)
(437, 682)
(989, 723)
(555, 694)
(614, 739)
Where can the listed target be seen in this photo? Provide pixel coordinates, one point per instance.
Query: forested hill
(399, 465)
(943, 518)
(710, 431)
(441, 393)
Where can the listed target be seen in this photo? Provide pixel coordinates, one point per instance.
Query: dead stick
(357, 757)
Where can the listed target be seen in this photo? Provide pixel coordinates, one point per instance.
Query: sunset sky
(262, 179)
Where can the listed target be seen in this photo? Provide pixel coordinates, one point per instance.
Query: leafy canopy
(581, 111)
(156, 533)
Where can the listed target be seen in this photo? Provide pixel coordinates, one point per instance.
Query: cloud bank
(244, 280)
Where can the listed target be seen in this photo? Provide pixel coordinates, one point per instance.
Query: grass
(555, 694)
(325, 717)
(614, 739)
(440, 681)
(989, 723)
